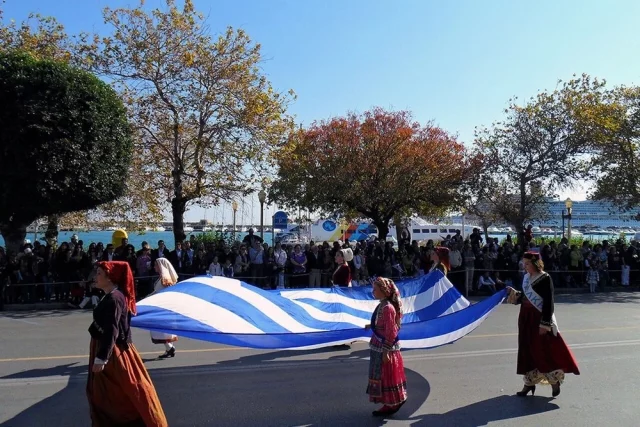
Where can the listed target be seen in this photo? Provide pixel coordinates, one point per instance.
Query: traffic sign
(280, 220)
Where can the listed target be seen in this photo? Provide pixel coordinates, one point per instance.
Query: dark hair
(535, 259)
(443, 255)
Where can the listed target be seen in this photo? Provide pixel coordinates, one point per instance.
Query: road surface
(43, 359)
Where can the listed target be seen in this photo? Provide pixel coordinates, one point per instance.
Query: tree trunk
(178, 208)
(485, 230)
(520, 233)
(523, 205)
(14, 235)
(383, 228)
(51, 235)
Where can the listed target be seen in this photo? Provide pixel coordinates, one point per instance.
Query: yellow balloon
(117, 236)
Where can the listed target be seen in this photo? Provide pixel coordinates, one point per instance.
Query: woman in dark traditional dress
(387, 380)
(342, 274)
(119, 388)
(440, 260)
(543, 356)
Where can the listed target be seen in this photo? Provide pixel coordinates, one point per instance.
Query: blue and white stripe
(231, 312)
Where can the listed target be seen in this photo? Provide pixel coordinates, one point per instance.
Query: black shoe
(556, 389)
(382, 412)
(526, 390)
(169, 353)
(342, 346)
(397, 408)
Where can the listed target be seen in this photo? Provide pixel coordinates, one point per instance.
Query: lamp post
(234, 206)
(262, 196)
(569, 205)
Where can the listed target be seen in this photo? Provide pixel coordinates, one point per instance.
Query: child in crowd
(593, 277)
(227, 269)
(215, 269)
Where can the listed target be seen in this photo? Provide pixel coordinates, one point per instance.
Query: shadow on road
(313, 394)
(36, 314)
(344, 353)
(71, 370)
(482, 413)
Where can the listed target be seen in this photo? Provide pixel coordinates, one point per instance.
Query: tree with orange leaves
(382, 165)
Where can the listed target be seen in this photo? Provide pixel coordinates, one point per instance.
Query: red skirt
(123, 394)
(546, 353)
(387, 381)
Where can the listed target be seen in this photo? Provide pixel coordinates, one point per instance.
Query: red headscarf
(443, 254)
(120, 274)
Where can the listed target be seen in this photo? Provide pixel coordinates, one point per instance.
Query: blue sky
(455, 63)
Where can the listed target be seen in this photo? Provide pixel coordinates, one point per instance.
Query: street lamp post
(234, 206)
(569, 205)
(262, 196)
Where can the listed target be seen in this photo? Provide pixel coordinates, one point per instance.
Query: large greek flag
(231, 312)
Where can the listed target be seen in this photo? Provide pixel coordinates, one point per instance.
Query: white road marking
(299, 364)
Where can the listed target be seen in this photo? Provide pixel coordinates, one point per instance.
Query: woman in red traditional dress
(342, 275)
(119, 388)
(387, 380)
(543, 356)
(440, 260)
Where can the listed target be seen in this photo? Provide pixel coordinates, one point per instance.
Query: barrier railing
(466, 280)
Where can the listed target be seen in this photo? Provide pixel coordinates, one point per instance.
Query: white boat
(207, 229)
(188, 229)
(292, 239)
(155, 228)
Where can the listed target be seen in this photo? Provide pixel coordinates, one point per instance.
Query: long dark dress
(342, 276)
(122, 394)
(541, 358)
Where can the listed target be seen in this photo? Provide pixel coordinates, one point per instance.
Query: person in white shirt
(487, 281)
(280, 258)
(357, 264)
(256, 257)
(215, 269)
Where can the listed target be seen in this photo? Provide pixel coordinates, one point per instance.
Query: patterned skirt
(542, 359)
(387, 381)
(123, 394)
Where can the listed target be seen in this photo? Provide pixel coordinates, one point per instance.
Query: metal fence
(465, 280)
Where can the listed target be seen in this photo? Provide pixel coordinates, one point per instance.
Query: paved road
(43, 360)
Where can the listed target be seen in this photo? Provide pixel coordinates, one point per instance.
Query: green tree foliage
(617, 161)
(207, 121)
(541, 147)
(64, 138)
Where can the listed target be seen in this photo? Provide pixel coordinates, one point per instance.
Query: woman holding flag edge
(543, 356)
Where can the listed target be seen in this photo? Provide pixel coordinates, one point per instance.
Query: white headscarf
(347, 254)
(168, 275)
